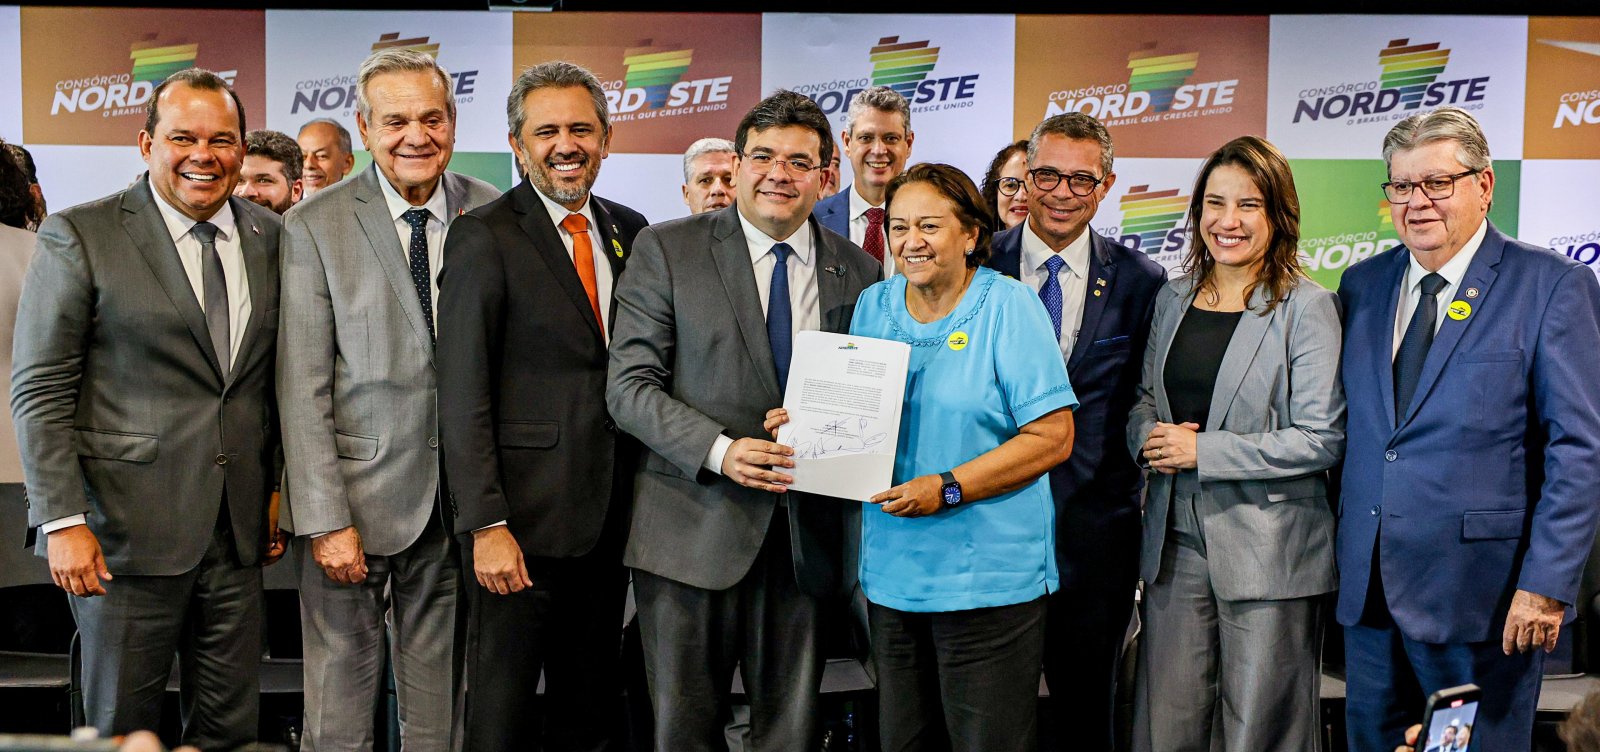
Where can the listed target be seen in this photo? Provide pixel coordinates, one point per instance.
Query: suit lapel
(611, 246)
(547, 243)
(142, 220)
(833, 287)
(1102, 269)
(1162, 340)
(732, 258)
(258, 269)
(373, 214)
(1241, 352)
(1382, 344)
(1007, 257)
(1481, 275)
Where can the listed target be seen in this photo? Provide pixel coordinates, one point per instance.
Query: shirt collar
(436, 204)
(178, 224)
(1453, 270)
(558, 213)
(1035, 251)
(761, 243)
(859, 205)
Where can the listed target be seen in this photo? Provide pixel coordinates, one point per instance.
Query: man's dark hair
(277, 147)
(25, 161)
(194, 78)
(16, 200)
(785, 108)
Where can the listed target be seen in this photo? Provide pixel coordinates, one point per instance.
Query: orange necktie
(583, 258)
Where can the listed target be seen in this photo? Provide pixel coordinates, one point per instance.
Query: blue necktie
(1414, 345)
(779, 322)
(1050, 292)
(421, 275)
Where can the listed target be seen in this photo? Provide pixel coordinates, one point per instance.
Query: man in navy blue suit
(1469, 485)
(877, 139)
(1099, 295)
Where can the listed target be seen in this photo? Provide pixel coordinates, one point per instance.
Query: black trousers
(965, 681)
(693, 638)
(568, 626)
(1083, 644)
(210, 616)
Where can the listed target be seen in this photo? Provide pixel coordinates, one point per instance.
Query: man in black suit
(539, 476)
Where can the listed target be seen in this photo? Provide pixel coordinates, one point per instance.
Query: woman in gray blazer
(1240, 414)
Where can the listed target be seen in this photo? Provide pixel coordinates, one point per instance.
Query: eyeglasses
(1435, 188)
(765, 162)
(1009, 186)
(1080, 183)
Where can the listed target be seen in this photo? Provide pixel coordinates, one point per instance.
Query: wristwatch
(951, 488)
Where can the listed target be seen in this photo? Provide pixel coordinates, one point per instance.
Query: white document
(844, 399)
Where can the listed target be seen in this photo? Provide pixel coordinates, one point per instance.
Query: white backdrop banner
(1559, 207)
(1146, 207)
(313, 57)
(1339, 83)
(11, 74)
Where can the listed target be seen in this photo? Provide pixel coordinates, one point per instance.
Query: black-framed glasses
(1009, 186)
(1080, 183)
(765, 162)
(1435, 188)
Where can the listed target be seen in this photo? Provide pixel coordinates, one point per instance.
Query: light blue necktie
(1050, 291)
(779, 321)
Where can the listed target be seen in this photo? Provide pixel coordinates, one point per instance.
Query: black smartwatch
(951, 488)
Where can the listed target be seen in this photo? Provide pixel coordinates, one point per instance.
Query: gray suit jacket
(1276, 425)
(690, 360)
(122, 411)
(355, 368)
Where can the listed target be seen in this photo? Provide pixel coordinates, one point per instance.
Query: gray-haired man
(356, 375)
(708, 175)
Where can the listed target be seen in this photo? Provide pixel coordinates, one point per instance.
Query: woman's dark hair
(1267, 168)
(991, 180)
(16, 198)
(955, 186)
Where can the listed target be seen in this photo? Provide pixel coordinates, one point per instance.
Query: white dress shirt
(191, 254)
(603, 280)
(438, 220)
(1411, 286)
(804, 308)
(1074, 278)
(858, 228)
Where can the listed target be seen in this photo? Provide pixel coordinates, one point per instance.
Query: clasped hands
(750, 463)
(1170, 447)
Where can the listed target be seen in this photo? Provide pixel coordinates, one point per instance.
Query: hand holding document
(844, 398)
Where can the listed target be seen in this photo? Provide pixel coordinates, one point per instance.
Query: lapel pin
(1097, 293)
(255, 229)
(616, 246)
(1101, 281)
(461, 210)
(1459, 310)
(834, 270)
(1472, 292)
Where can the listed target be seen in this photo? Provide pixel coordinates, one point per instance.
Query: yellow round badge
(956, 340)
(1459, 310)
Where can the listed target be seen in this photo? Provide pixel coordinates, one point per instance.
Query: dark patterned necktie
(421, 274)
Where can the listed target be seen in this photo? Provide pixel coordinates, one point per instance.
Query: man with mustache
(541, 478)
(708, 175)
(877, 138)
(142, 391)
(356, 378)
(328, 156)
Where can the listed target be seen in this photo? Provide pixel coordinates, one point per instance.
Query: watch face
(952, 493)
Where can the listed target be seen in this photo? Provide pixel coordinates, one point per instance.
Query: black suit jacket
(1097, 489)
(522, 376)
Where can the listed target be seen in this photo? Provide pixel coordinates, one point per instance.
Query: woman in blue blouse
(957, 557)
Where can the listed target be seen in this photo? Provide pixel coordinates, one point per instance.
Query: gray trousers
(210, 616)
(1217, 675)
(413, 593)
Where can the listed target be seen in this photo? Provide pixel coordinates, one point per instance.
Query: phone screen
(1451, 727)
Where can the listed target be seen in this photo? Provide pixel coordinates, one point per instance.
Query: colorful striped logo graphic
(902, 65)
(1386, 219)
(392, 40)
(1151, 215)
(1409, 68)
(153, 62)
(655, 72)
(1159, 75)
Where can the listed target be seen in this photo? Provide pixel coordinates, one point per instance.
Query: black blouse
(1193, 362)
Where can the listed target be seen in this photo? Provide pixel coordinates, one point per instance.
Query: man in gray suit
(142, 394)
(356, 378)
(728, 568)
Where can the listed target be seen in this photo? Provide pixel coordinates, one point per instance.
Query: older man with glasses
(1099, 295)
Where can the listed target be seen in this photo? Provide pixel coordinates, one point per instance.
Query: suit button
(1375, 511)
(1391, 455)
(222, 459)
(433, 442)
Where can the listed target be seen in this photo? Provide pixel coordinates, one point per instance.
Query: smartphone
(1447, 724)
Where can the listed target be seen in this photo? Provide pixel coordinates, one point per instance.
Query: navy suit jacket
(1488, 483)
(1097, 489)
(833, 212)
